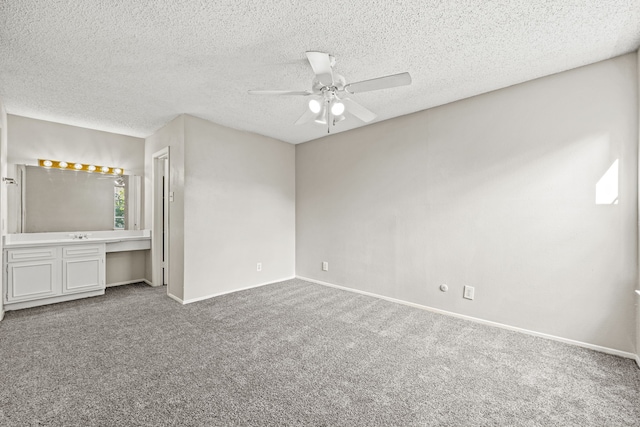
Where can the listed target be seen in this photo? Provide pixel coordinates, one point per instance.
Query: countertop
(66, 238)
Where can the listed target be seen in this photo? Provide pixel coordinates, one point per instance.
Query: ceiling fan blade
(321, 64)
(385, 82)
(306, 117)
(280, 92)
(358, 110)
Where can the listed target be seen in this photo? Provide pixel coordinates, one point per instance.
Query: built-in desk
(45, 268)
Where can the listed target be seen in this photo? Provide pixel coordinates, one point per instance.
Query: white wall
(171, 135)
(31, 139)
(239, 206)
(3, 190)
(497, 192)
(638, 284)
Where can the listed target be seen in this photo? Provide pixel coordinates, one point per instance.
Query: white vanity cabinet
(45, 268)
(32, 273)
(83, 268)
(39, 275)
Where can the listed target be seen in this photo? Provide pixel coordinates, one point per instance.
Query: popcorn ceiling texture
(130, 67)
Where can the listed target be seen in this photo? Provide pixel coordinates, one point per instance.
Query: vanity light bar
(79, 167)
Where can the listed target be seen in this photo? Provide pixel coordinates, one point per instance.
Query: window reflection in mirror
(119, 206)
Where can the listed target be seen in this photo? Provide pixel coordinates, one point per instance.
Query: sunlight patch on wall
(607, 186)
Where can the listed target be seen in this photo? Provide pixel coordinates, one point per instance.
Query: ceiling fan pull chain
(328, 116)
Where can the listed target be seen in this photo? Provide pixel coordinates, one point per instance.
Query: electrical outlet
(325, 266)
(469, 292)
(259, 267)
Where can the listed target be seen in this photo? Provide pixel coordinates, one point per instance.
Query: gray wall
(31, 139)
(239, 206)
(497, 192)
(125, 267)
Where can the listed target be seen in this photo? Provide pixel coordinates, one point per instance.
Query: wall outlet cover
(469, 292)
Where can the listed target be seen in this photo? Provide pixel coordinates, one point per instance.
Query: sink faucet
(80, 236)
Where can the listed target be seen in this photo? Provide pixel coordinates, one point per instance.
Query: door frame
(157, 224)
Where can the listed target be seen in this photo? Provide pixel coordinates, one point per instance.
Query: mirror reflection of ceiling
(129, 67)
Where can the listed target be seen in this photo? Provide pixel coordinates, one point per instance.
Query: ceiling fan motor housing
(319, 88)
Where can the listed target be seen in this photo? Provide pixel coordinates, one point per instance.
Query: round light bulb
(337, 108)
(47, 163)
(314, 106)
(105, 169)
(91, 168)
(63, 164)
(78, 166)
(117, 171)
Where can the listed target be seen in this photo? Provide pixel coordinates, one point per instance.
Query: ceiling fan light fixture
(328, 101)
(315, 106)
(337, 108)
(321, 113)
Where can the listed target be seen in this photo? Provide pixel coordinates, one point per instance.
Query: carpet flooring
(294, 353)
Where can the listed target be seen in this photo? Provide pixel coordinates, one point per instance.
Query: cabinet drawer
(82, 251)
(31, 254)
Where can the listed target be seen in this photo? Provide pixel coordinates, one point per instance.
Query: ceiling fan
(329, 92)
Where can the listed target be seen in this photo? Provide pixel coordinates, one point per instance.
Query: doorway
(161, 236)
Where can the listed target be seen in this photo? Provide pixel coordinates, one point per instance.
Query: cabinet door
(82, 274)
(32, 280)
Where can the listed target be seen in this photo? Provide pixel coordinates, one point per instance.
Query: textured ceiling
(130, 66)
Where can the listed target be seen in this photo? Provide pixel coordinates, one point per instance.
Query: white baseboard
(173, 297)
(638, 359)
(126, 282)
(601, 349)
(2, 317)
(189, 301)
(52, 300)
(148, 282)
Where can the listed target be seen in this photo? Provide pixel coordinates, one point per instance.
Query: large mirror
(55, 200)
